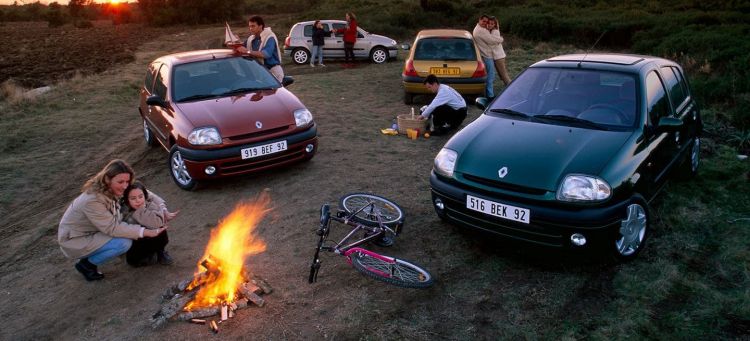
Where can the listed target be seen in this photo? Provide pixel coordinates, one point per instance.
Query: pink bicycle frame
(370, 253)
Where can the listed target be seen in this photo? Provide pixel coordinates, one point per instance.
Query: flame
(222, 264)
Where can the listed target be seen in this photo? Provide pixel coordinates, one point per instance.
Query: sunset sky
(62, 2)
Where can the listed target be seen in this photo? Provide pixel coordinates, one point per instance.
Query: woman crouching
(92, 230)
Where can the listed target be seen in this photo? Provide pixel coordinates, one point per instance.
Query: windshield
(219, 77)
(571, 96)
(445, 49)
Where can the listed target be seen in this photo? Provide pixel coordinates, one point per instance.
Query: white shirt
(445, 95)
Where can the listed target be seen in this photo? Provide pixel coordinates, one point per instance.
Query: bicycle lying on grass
(381, 220)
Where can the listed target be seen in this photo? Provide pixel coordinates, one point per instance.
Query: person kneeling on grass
(447, 110)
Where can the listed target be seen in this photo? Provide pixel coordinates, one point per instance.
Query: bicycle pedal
(341, 214)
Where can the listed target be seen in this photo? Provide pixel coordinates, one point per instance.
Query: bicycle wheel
(397, 272)
(388, 210)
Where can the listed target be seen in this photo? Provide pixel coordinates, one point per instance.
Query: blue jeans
(489, 87)
(317, 51)
(113, 248)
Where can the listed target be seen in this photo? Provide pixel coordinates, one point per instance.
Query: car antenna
(591, 48)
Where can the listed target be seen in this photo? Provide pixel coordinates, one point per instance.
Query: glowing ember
(220, 270)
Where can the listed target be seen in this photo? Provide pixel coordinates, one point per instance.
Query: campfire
(222, 282)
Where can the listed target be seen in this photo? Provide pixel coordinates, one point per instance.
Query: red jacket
(350, 33)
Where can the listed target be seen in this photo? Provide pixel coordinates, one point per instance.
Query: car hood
(381, 39)
(239, 115)
(535, 155)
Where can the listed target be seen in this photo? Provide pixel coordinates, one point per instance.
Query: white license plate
(265, 149)
(498, 210)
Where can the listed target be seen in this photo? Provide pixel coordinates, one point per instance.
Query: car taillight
(481, 71)
(287, 42)
(409, 69)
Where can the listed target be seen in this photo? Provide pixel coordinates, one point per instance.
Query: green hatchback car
(572, 152)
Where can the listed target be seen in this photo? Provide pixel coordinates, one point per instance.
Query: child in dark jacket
(150, 211)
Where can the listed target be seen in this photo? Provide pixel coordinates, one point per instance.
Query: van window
(657, 104)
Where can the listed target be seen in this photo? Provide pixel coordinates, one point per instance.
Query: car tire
(688, 169)
(301, 56)
(630, 237)
(379, 55)
(408, 98)
(148, 135)
(178, 170)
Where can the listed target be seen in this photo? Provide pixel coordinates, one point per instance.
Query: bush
(82, 23)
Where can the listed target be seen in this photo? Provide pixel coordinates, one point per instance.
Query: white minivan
(374, 47)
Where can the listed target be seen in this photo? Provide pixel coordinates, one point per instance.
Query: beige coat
(91, 220)
(486, 41)
(497, 50)
(150, 216)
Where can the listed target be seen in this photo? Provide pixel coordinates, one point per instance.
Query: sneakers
(164, 258)
(312, 65)
(88, 270)
(321, 64)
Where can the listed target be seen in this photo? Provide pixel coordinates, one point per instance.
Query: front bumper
(549, 224)
(228, 161)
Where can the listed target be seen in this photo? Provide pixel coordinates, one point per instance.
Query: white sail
(229, 37)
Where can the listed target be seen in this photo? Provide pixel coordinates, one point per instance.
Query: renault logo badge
(258, 124)
(502, 172)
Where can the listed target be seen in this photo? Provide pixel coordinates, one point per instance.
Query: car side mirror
(287, 80)
(156, 100)
(481, 102)
(669, 124)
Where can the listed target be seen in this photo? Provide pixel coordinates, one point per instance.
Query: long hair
(99, 183)
(351, 16)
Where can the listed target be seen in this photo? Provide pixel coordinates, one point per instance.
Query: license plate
(265, 149)
(445, 71)
(498, 210)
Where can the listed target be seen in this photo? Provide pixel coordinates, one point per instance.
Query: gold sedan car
(451, 55)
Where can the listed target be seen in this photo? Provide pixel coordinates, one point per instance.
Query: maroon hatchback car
(220, 114)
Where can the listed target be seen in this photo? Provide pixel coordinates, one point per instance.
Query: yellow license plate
(445, 71)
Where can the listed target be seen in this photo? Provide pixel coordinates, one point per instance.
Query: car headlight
(204, 136)
(302, 117)
(445, 162)
(578, 187)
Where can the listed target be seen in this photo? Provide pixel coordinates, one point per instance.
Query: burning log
(253, 297)
(198, 313)
(224, 312)
(171, 308)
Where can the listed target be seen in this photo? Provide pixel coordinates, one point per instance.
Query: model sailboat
(231, 39)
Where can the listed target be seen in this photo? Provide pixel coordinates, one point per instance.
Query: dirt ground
(484, 288)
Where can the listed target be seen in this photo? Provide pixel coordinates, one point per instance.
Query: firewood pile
(176, 297)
